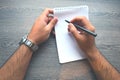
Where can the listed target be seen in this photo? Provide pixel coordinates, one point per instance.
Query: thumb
(52, 23)
(73, 30)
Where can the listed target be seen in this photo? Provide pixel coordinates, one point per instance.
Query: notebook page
(68, 49)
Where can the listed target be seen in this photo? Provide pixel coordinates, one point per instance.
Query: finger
(84, 22)
(45, 15)
(48, 11)
(74, 31)
(52, 23)
(50, 18)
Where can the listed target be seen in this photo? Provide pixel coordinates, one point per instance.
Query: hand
(85, 41)
(42, 27)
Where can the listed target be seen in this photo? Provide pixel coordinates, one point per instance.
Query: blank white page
(67, 46)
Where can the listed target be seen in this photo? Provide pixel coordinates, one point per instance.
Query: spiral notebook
(67, 47)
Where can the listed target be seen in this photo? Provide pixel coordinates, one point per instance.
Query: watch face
(29, 43)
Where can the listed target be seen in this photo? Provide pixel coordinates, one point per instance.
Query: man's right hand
(85, 41)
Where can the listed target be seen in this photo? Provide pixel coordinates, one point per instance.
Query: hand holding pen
(85, 41)
(83, 29)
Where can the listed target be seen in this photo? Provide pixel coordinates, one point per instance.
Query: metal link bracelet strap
(28, 43)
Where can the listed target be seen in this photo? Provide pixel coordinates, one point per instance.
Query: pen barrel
(86, 30)
(82, 28)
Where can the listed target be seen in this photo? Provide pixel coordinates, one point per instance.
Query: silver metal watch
(28, 43)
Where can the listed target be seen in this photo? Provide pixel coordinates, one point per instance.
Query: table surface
(18, 16)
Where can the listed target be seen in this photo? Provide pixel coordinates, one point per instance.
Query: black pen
(82, 28)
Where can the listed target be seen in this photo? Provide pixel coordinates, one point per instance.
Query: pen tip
(67, 21)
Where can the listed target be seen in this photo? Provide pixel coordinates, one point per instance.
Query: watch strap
(28, 43)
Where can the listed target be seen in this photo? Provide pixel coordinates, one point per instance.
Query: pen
(82, 28)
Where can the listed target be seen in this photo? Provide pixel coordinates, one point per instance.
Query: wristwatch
(28, 43)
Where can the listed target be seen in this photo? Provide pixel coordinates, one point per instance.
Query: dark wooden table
(18, 16)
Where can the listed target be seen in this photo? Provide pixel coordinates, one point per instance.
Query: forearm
(16, 66)
(102, 68)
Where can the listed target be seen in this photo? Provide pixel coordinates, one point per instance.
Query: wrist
(25, 47)
(27, 42)
(91, 52)
(32, 39)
